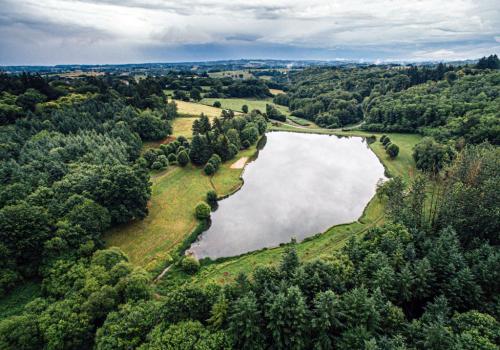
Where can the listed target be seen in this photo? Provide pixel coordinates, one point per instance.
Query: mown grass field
(226, 270)
(237, 74)
(182, 126)
(175, 193)
(195, 109)
(235, 104)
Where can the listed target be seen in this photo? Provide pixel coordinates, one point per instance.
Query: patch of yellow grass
(276, 91)
(195, 109)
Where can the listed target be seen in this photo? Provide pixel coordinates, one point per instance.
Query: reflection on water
(299, 185)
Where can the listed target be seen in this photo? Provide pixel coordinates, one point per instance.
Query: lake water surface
(299, 185)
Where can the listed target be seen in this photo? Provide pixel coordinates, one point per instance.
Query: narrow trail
(296, 126)
(165, 270)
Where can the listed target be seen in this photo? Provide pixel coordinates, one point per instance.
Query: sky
(48, 32)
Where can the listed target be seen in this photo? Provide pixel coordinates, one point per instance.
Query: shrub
(190, 265)
(172, 158)
(245, 144)
(209, 169)
(216, 160)
(244, 109)
(163, 160)
(212, 198)
(217, 104)
(386, 141)
(233, 150)
(371, 139)
(202, 211)
(157, 166)
(392, 150)
(382, 138)
(183, 158)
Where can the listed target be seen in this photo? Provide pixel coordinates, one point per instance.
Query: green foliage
(244, 109)
(190, 265)
(202, 211)
(212, 198)
(392, 150)
(217, 104)
(431, 156)
(183, 158)
(209, 169)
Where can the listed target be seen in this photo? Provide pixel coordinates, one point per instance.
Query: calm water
(299, 185)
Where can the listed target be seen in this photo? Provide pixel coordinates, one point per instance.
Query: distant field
(235, 104)
(237, 74)
(195, 109)
(175, 193)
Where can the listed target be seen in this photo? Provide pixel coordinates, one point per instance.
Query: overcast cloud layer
(124, 31)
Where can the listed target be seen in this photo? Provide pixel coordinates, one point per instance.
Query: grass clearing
(235, 74)
(235, 104)
(175, 193)
(195, 109)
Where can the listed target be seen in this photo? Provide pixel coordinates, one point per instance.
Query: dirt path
(240, 163)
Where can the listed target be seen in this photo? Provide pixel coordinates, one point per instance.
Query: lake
(299, 185)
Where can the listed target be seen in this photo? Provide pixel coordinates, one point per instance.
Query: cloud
(133, 29)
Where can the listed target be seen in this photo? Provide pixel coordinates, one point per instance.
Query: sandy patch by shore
(240, 163)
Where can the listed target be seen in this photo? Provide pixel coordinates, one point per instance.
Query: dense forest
(72, 166)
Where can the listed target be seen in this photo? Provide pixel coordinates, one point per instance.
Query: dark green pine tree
(244, 324)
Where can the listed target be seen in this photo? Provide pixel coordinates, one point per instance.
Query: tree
(244, 323)
(287, 319)
(183, 158)
(23, 230)
(202, 211)
(195, 94)
(217, 104)
(128, 327)
(185, 335)
(212, 198)
(209, 169)
(244, 109)
(29, 99)
(490, 62)
(150, 126)
(392, 150)
(431, 156)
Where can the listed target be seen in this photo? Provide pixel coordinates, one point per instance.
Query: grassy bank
(235, 104)
(175, 193)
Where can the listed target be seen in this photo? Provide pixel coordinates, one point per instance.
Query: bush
(209, 169)
(392, 150)
(245, 144)
(212, 198)
(163, 160)
(244, 109)
(382, 138)
(183, 158)
(202, 211)
(157, 166)
(190, 265)
(385, 141)
(217, 104)
(371, 139)
(216, 161)
(172, 158)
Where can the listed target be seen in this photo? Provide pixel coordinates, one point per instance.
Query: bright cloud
(63, 31)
